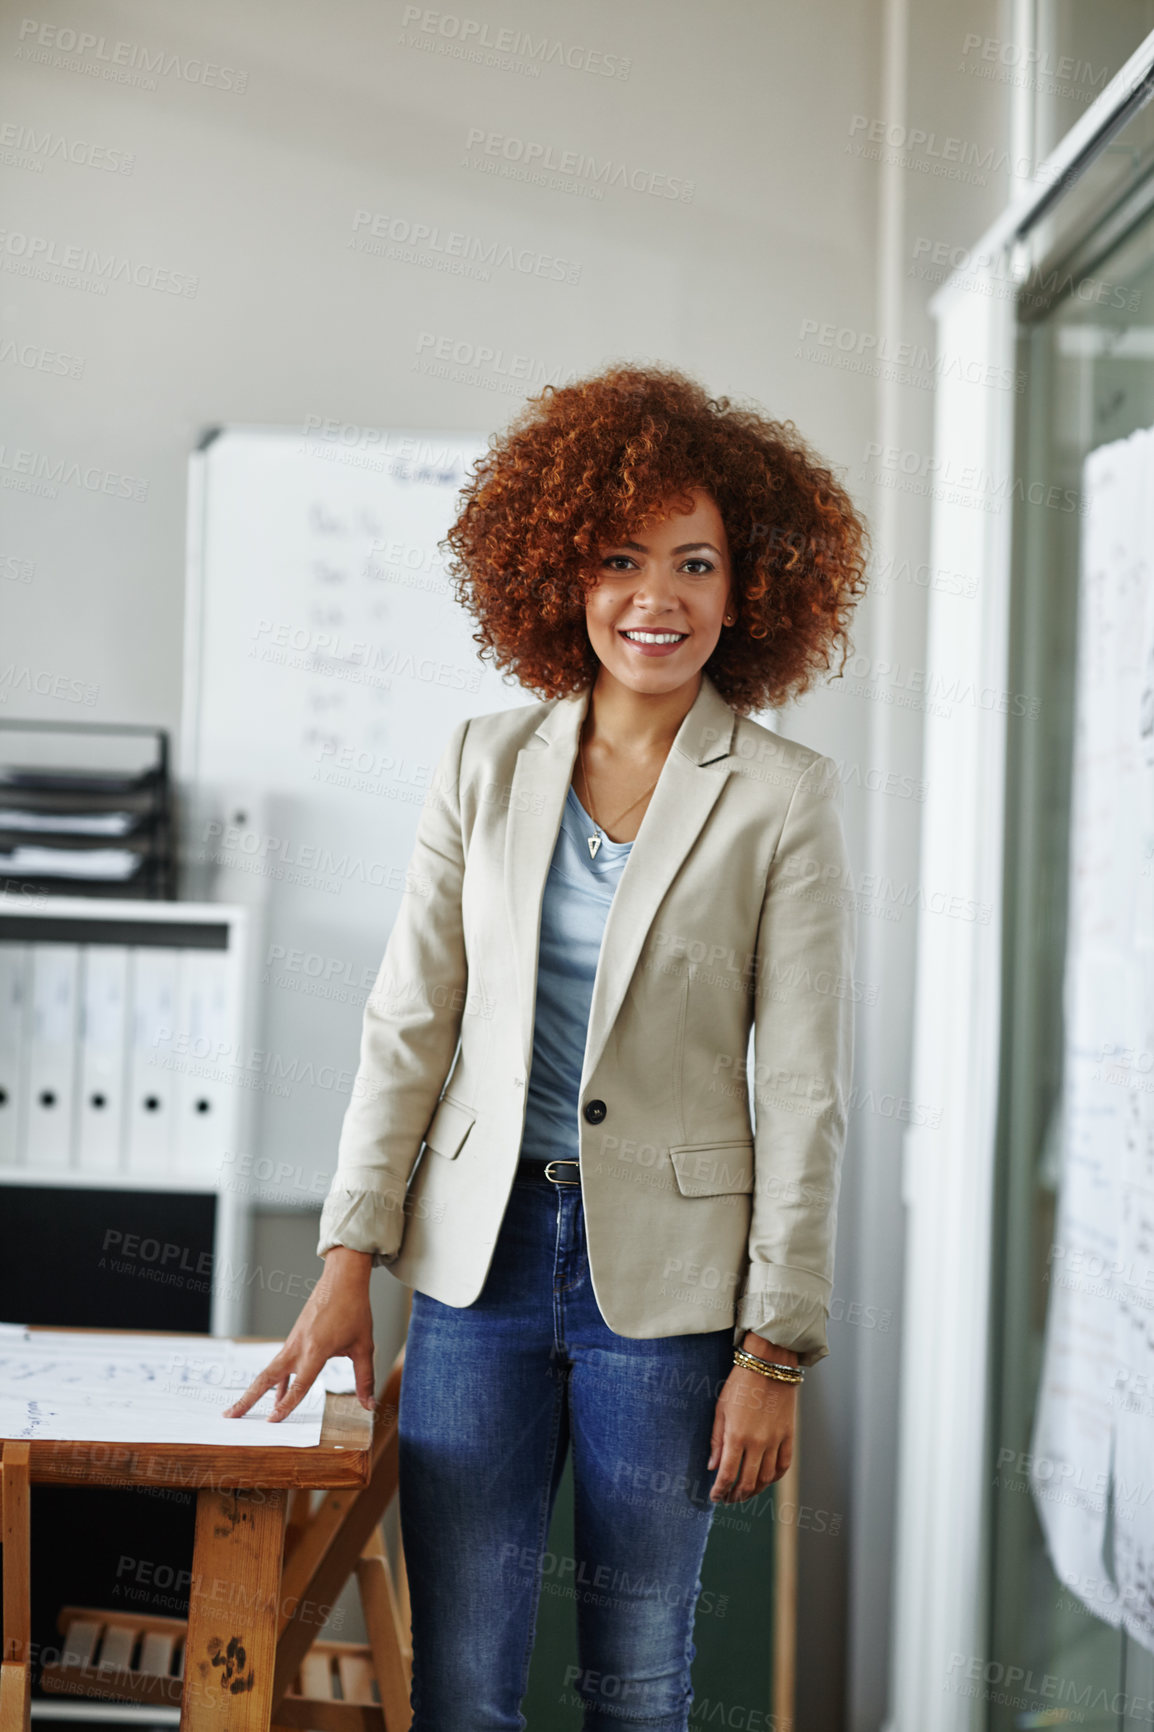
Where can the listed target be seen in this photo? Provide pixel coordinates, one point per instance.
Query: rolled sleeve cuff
(363, 1218)
(788, 1307)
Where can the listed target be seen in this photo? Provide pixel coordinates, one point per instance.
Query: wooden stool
(340, 1692)
(118, 1655)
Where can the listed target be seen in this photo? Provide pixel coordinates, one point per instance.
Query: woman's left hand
(752, 1441)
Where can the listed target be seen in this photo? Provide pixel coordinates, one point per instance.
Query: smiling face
(655, 614)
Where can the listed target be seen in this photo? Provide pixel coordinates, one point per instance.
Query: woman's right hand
(336, 1321)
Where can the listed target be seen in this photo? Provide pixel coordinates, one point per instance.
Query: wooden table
(241, 1499)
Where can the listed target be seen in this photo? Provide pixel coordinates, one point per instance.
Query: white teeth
(654, 636)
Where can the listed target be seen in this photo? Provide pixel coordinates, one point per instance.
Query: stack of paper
(69, 823)
(27, 860)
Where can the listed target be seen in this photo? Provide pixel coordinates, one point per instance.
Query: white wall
(252, 193)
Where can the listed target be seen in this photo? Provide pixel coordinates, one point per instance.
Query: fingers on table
(305, 1375)
(366, 1378)
(275, 1372)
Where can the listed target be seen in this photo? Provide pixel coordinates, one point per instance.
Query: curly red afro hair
(583, 464)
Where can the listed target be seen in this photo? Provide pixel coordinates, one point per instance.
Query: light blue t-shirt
(578, 891)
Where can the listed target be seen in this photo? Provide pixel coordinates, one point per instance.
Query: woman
(609, 891)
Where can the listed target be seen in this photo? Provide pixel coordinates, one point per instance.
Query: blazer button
(595, 1111)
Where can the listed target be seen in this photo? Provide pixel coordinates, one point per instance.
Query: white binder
(204, 1022)
(13, 1005)
(50, 1069)
(103, 1077)
(153, 977)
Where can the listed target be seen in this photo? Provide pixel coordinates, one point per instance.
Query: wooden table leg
(15, 1689)
(233, 1608)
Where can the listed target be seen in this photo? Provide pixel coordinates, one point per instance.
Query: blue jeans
(492, 1396)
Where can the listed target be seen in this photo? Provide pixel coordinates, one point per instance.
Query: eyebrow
(686, 546)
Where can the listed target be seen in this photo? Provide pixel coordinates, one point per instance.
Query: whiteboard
(326, 662)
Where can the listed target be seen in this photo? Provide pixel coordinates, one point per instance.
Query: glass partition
(1086, 356)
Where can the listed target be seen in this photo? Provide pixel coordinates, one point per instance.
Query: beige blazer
(710, 1183)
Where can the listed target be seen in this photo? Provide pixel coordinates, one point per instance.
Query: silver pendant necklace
(599, 836)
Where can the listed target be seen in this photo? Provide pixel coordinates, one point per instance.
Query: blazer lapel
(541, 777)
(692, 777)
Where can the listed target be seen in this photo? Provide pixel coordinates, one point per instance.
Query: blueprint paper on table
(79, 1386)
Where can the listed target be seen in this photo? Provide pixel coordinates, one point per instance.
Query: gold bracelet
(768, 1368)
(793, 1370)
(780, 1373)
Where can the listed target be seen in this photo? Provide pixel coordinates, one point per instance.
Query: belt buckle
(554, 1181)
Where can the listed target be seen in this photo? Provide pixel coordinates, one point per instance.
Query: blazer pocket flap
(448, 1127)
(713, 1169)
